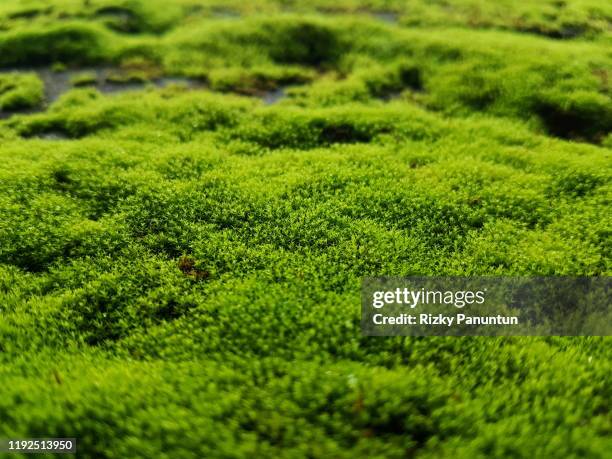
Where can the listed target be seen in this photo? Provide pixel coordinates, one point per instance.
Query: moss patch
(180, 263)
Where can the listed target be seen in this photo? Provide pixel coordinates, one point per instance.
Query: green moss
(19, 91)
(138, 16)
(583, 115)
(74, 43)
(257, 80)
(84, 79)
(180, 267)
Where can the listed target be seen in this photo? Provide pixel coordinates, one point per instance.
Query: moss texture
(180, 262)
(20, 91)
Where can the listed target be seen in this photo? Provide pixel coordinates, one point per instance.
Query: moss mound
(184, 229)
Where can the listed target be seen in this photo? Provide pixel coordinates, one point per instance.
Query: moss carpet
(191, 192)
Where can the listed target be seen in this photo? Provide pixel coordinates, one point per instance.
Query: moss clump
(75, 43)
(257, 80)
(84, 79)
(20, 91)
(85, 111)
(138, 16)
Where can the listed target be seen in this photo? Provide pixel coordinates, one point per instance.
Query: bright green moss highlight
(180, 264)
